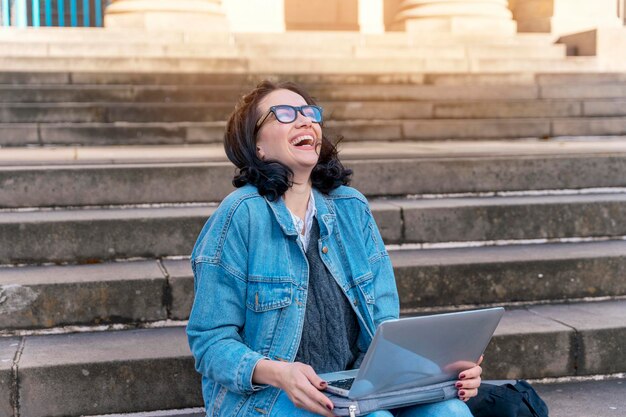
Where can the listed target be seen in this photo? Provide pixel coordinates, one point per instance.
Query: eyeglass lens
(287, 114)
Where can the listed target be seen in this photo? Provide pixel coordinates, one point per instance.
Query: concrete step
(290, 44)
(120, 93)
(584, 398)
(158, 133)
(134, 36)
(565, 398)
(114, 112)
(340, 100)
(352, 111)
(151, 369)
(32, 93)
(108, 35)
(102, 233)
(460, 51)
(47, 178)
(137, 292)
(331, 65)
(355, 80)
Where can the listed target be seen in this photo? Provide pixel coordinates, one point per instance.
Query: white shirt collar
(307, 223)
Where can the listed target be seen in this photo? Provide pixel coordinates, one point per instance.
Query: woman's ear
(260, 153)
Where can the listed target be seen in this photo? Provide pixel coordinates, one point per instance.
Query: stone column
(187, 15)
(243, 16)
(457, 17)
(572, 16)
(371, 16)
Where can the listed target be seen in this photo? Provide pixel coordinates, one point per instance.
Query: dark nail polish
(461, 393)
(458, 384)
(329, 407)
(462, 376)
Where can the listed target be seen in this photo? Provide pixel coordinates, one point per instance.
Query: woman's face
(282, 141)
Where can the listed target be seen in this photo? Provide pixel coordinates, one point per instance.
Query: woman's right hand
(299, 381)
(303, 386)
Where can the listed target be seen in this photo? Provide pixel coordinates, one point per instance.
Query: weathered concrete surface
(98, 234)
(52, 296)
(601, 333)
(476, 128)
(432, 175)
(198, 110)
(12, 134)
(142, 370)
(83, 235)
(118, 112)
(526, 217)
(112, 134)
(388, 219)
(529, 346)
(504, 274)
(115, 184)
(425, 278)
(508, 109)
(8, 349)
(180, 277)
(161, 182)
(585, 398)
(126, 93)
(486, 79)
(589, 126)
(88, 234)
(99, 373)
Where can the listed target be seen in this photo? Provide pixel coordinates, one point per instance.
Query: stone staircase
(67, 108)
(95, 283)
(302, 52)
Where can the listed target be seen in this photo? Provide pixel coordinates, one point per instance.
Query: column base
(462, 25)
(168, 21)
(187, 15)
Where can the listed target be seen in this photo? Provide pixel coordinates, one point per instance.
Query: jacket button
(325, 249)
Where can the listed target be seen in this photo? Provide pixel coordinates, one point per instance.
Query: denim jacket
(251, 277)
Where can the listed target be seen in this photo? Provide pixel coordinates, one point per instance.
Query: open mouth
(303, 141)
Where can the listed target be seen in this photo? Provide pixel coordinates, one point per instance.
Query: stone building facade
(490, 17)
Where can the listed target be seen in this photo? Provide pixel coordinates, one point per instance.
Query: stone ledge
(403, 171)
(143, 370)
(52, 296)
(99, 234)
(426, 279)
(93, 373)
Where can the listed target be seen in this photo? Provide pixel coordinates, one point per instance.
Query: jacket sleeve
(387, 304)
(218, 314)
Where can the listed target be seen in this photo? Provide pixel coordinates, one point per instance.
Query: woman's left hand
(469, 381)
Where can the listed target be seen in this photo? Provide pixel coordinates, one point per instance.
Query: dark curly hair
(272, 178)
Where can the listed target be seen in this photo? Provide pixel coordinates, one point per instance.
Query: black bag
(507, 399)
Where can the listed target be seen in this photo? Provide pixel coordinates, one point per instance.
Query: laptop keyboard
(342, 383)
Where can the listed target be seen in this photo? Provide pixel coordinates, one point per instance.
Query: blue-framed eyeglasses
(285, 113)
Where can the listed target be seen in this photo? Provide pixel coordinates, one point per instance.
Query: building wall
(322, 15)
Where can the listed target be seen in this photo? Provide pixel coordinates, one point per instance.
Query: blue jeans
(450, 408)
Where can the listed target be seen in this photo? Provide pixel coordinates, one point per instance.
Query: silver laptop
(418, 351)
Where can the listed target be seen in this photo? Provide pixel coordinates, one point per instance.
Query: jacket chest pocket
(268, 295)
(266, 302)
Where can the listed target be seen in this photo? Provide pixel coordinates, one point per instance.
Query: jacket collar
(325, 214)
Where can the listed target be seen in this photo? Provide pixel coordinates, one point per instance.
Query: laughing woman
(291, 274)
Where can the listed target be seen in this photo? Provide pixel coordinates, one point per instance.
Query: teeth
(300, 139)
